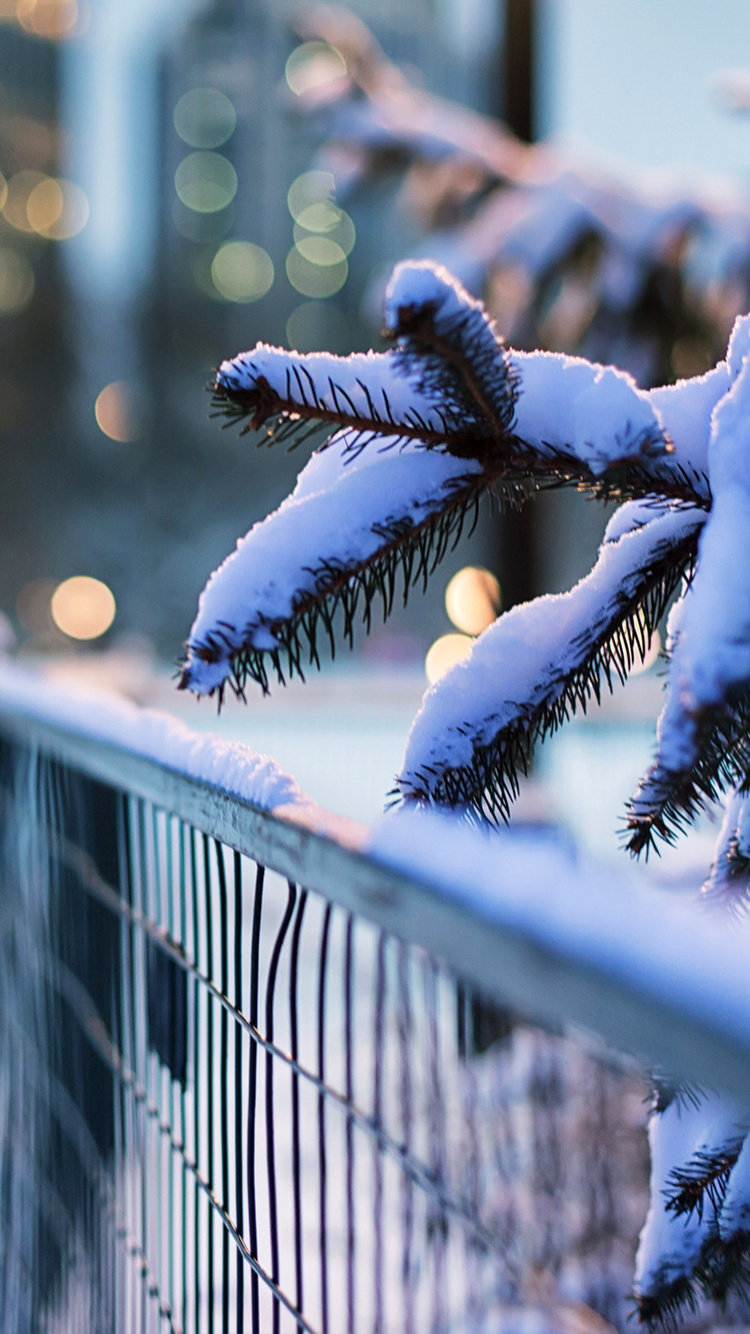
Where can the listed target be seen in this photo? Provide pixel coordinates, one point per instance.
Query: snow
(230, 766)
(520, 662)
(733, 840)
(671, 1244)
(333, 516)
(335, 384)
(712, 647)
(595, 412)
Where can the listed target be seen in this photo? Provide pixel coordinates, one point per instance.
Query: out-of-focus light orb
(320, 250)
(20, 187)
(315, 279)
(205, 182)
(312, 65)
(336, 230)
(16, 281)
(444, 654)
(242, 272)
(204, 118)
(317, 327)
(57, 209)
(312, 187)
(54, 19)
(83, 608)
(114, 412)
(473, 599)
(202, 227)
(648, 659)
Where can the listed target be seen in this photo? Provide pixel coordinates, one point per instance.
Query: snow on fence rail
(246, 1079)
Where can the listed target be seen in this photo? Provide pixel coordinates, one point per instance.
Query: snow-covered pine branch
(542, 661)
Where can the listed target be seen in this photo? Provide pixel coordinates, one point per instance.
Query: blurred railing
(253, 1079)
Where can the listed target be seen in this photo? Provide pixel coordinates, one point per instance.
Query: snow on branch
(703, 732)
(353, 524)
(540, 662)
(729, 881)
(450, 383)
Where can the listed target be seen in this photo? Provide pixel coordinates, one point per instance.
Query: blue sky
(633, 78)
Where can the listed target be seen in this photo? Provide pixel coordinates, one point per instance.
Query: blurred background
(180, 180)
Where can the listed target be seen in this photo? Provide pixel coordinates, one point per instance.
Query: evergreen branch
(722, 1268)
(667, 801)
(486, 785)
(348, 592)
(703, 1178)
(728, 883)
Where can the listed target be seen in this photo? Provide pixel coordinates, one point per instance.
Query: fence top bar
(521, 919)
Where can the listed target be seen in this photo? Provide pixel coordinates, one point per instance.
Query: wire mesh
(227, 1104)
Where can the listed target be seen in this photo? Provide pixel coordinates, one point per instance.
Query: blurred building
(173, 138)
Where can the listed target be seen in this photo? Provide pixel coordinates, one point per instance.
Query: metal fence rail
(233, 1097)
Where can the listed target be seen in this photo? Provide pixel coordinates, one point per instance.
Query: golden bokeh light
(204, 118)
(444, 654)
(114, 412)
(315, 279)
(54, 19)
(57, 209)
(312, 187)
(205, 182)
(320, 250)
(326, 220)
(19, 188)
(473, 599)
(242, 272)
(313, 65)
(16, 281)
(83, 608)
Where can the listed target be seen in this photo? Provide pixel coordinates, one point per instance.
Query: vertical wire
(270, 1137)
(209, 1079)
(238, 1165)
(350, 1215)
(170, 1099)
(407, 1192)
(140, 1043)
(252, 1091)
(158, 1260)
(322, 1158)
(296, 1167)
(183, 1084)
(224, 1064)
(378, 1117)
(436, 1111)
(197, 1198)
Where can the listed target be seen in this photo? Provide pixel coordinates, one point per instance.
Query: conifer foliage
(419, 433)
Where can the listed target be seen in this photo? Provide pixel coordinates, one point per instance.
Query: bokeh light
(314, 326)
(115, 412)
(52, 19)
(202, 228)
(57, 209)
(312, 187)
(313, 65)
(242, 272)
(315, 279)
(83, 608)
(444, 654)
(320, 250)
(20, 187)
(204, 118)
(205, 182)
(16, 281)
(328, 222)
(473, 599)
